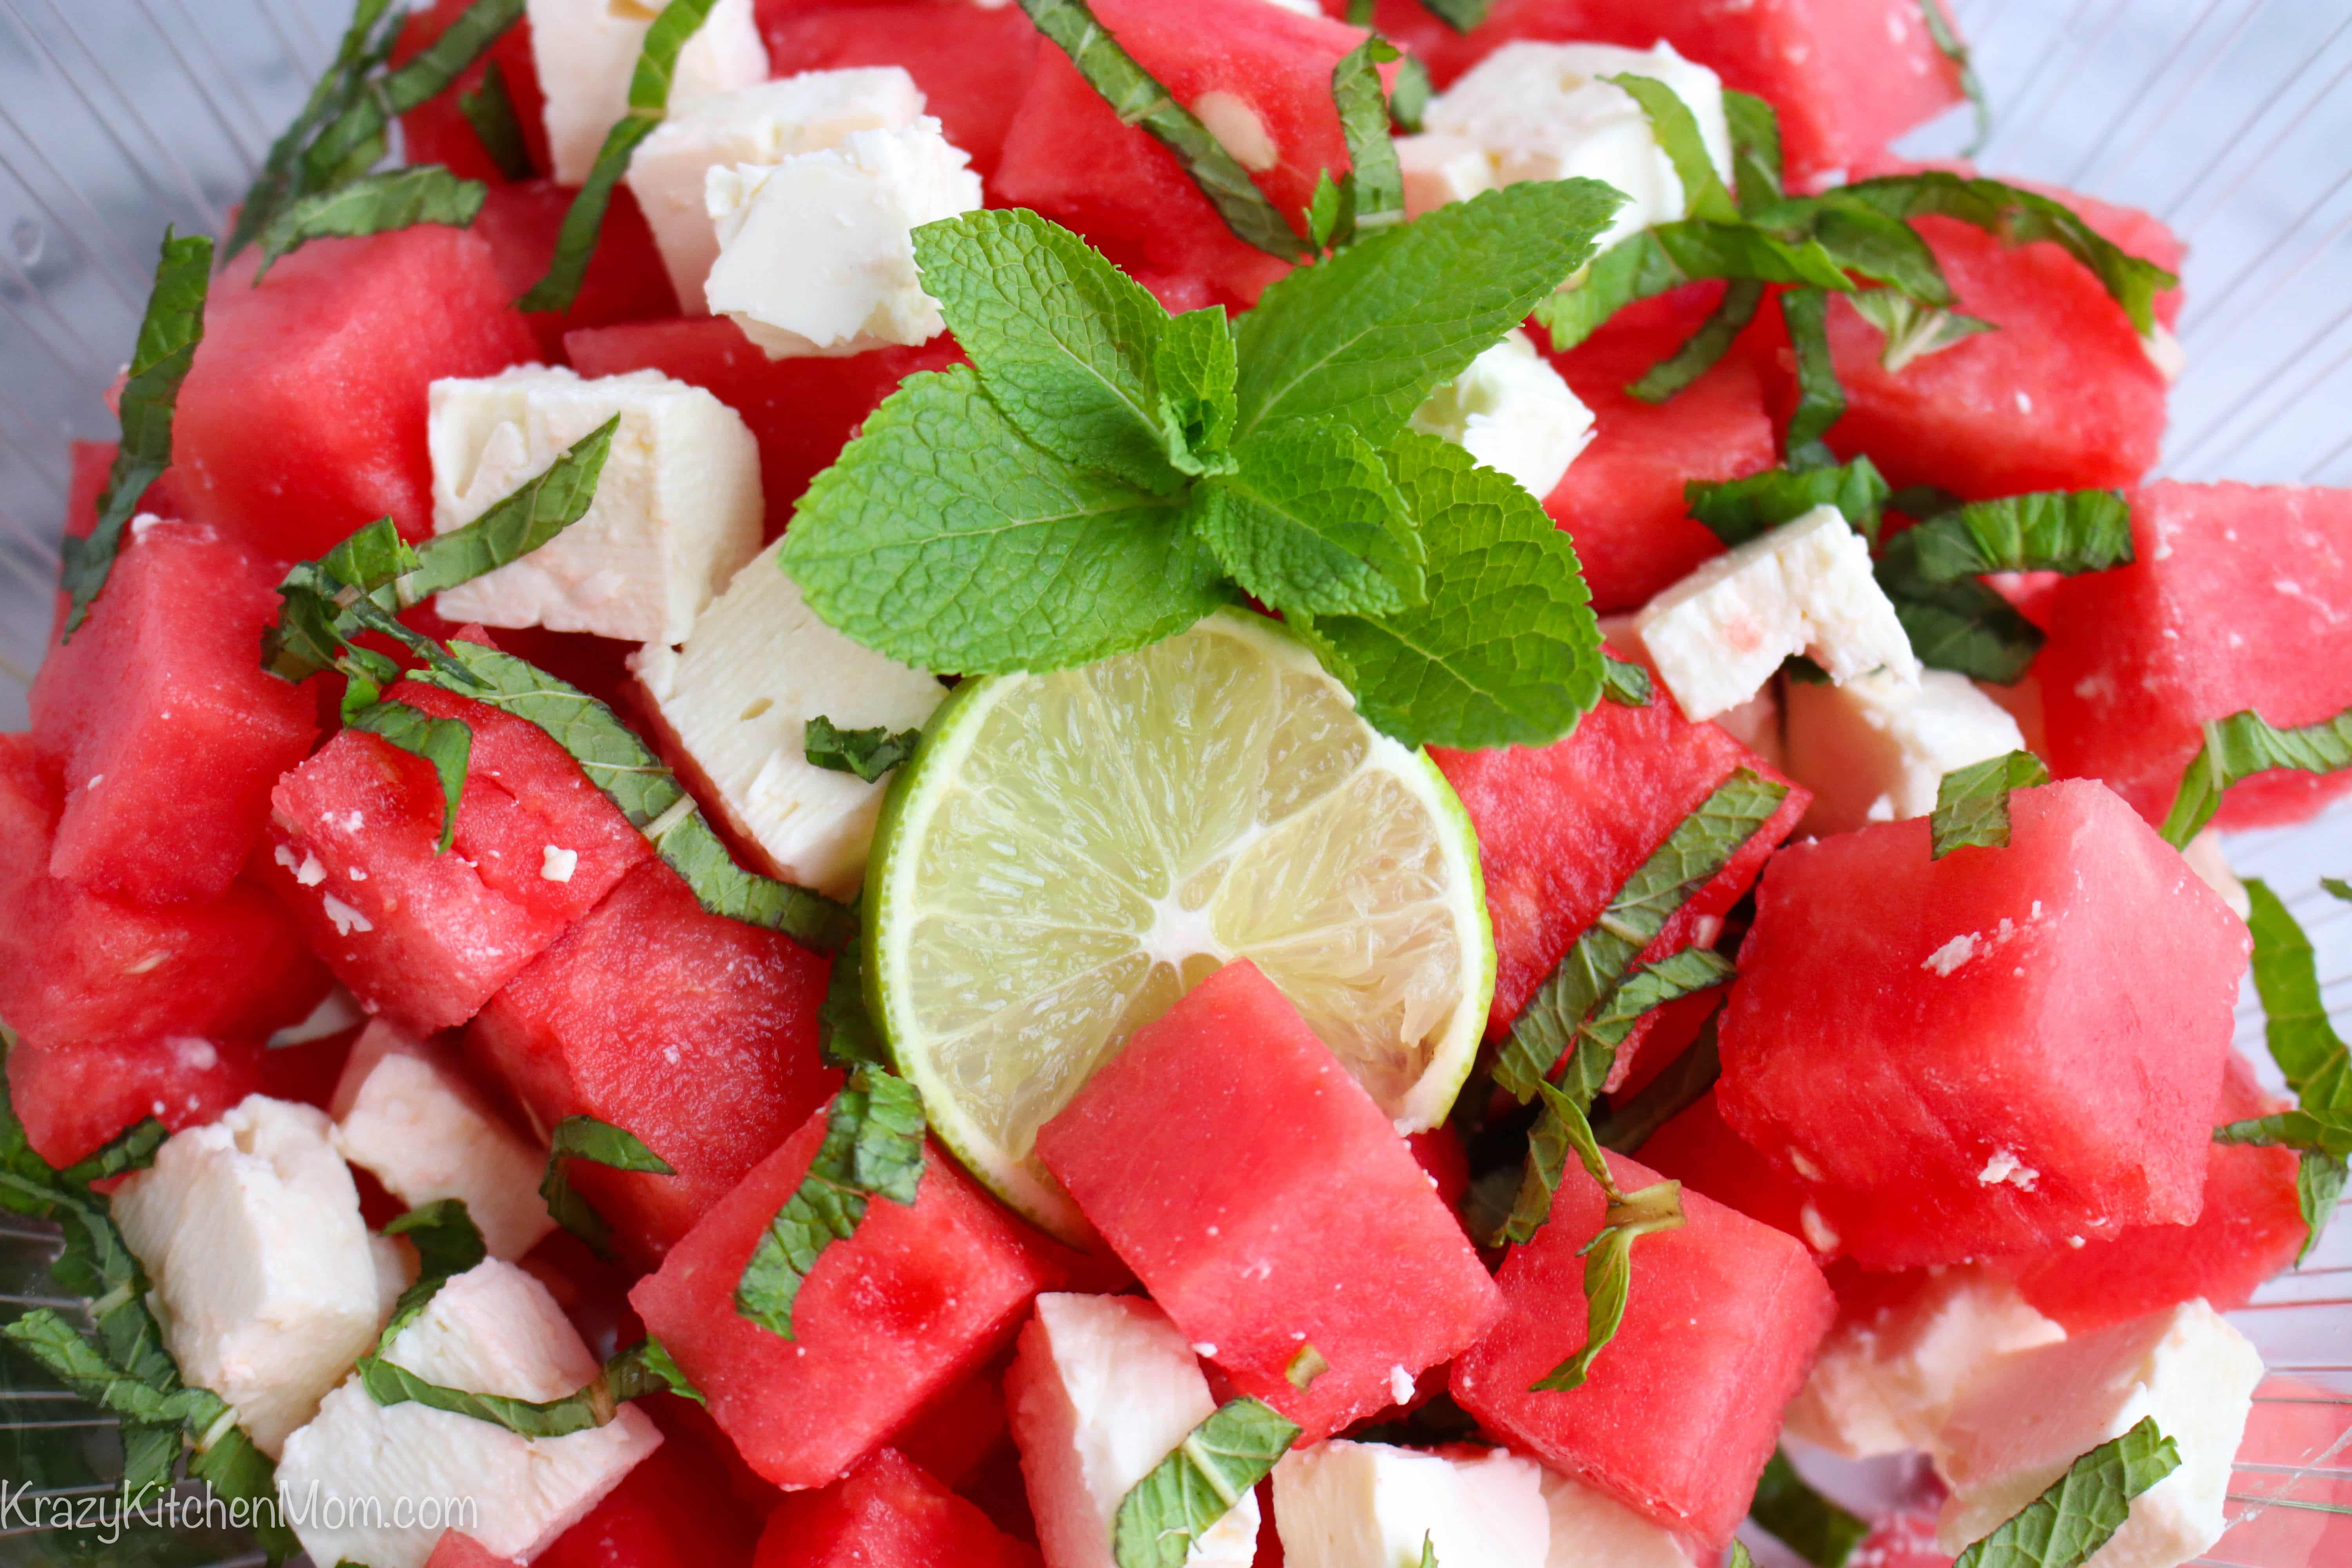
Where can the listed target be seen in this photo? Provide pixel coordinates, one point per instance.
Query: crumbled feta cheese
(1368, 1505)
(338, 1010)
(1400, 1387)
(739, 697)
(1441, 169)
(2005, 1166)
(1544, 111)
(1718, 635)
(347, 919)
(250, 1232)
(1102, 1390)
(816, 251)
(1590, 1529)
(760, 124)
(678, 508)
(1951, 955)
(1876, 748)
(2017, 1429)
(586, 51)
(556, 864)
(1303, 7)
(1512, 412)
(492, 1329)
(2212, 867)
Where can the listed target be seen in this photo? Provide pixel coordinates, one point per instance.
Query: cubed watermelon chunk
(456, 1549)
(1698, 1150)
(438, 132)
(962, 1427)
(673, 1510)
(800, 411)
(913, 1301)
(696, 1033)
(1682, 1410)
(424, 937)
(72, 1098)
(2235, 600)
(303, 415)
(626, 280)
(1267, 1204)
(972, 63)
(887, 1513)
(166, 730)
(1991, 1053)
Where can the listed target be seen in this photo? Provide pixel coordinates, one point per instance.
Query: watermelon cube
(1991, 1053)
(456, 1549)
(421, 936)
(166, 730)
(800, 411)
(696, 1033)
(673, 1510)
(1267, 1204)
(917, 1299)
(2235, 600)
(973, 63)
(1682, 1410)
(1698, 1150)
(626, 280)
(962, 1427)
(887, 1513)
(303, 415)
(72, 1098)
(438, 132)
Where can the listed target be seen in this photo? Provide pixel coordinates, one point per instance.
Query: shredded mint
(1801, 1519)
(489, 109)
(530, 515)
(1198, 1484)
(586, 1138)
(284, 175)
(1912, 330)
(1972, 803)
(1677, 130)
(2319, 1183)
(447, 1243)
(1959, 625)
(373, 204)
(640, 1370)
(1699, 353)
(1946, 39)
(647, 1367)
(2082, 1509)
(2336, 888)
(1372, 196)
(1686, 1080)
(132, 1149)
(2305, 1044)
(868, 753)
(1306, 1367)
(1609, 1274)
(874, 1138)
(1459, 15)
(2050, 530)
(1737, 510)
(1756, 164)
(1410, 102)
(1821, 399)
(845, 1033)
(1309, 520)
(2326, 1132)
(2239, 747)
(447, 743)
(1624, 681)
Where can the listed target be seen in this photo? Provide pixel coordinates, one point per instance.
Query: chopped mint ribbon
(1371, 196)
(1912, 330)
(489, 109)
(1188, 1491)
(1737, 510)
(447, 1243)
(1787, 1506)
(642, 1369)
(1609, 1269)
(2239, 747)
(373, 204)
(847, 1037)
(1946, 39)
(1624, 681)
(2082, 1510)
(868, 753)
(1972, 803)
(587, 1138)
(2309, 1052)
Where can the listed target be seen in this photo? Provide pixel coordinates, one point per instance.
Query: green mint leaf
(1198, 1484)
(537, 511)
(1364, 335)
(2050, 531)
(1756, 164)
(1961, 624)
(1636, 268)
(873, 1148)
(1737, 510)
(868, 753)
(2325, 1132)
(1410, 102)
(1860, 239)
(1609, 1277)
(1561, 1132)
(1063, 341)
(1701, 247)
(1921, 502)
(1912, 330)
(447, 1243)
(1820, 398)
(447, 743)
(1682, 1085)
(1650, 263)
(373, 557)
(1138, 99)
(647, 1367)
(1946, 39)
(1459, 15)
(168, 335)
(489, 109)
(2286, 976)
(945, 540)
(1195, 368)
(1972, 803)
(61, 1349)
(366, 44)
(1327, 218)
(1739, 1557)
(2082, 1509)
(1741, 299)
(1803, 1520)
(1505, 650)
(847, 1037)
(2242, 745)
(586, 1138)
(355, 140)
(388, 1383)
(2319, 1185)
(1306, 1367)
(1375, 178)
(1310, 522)
(1624, 681)
(2336, 888)
(373, 204)
(132, 1149)
(1677, 129)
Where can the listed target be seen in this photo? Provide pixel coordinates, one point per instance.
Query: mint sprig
(2082, 1510)
(373, 204)
(1309, 520)
(1789, 1509)
(1608, 1271)
(1199, 1483)
(2239, 747)
(586, 1137)
(1972, 803)
(2304, 1043)
(447, 743)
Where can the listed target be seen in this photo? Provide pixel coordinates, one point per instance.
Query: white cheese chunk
(586, 51)
(1886, 1384)
(405, 1114)
(1876, 749)
(1368, 1504)
(1545, 111)
(377, 1483)
(738, 698)
(250, 1233)
(760, 124)
(1301, 7)
(1103, 1389)
(2019, 1426)
(678, 509)
(816, 253)
(1590, 1529)
(1718, 635)
(2212, 867)
(1439, 168)
(1512, 412)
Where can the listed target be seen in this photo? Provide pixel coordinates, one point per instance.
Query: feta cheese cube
(1512, 412)
(377, 1483)
(678, 509)
(1545, 111)
(406, 1115)
(739, 697)
(2018, 1427)
(1886, 1383)
(1593, 1529)
(1718, 635)
(816, 251)
(265, 1283)
(1302, 7)
(1876, 749)
(1439, 168)
(761, 124)
(1366, 1505)
(1103, 1388)
(586, 51)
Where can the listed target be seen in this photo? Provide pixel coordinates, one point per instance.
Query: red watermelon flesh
(438, 132)
(972, 64)
(456, 1549)
(166, 729)
(1683, 1409)
(72, 1098)
(2234, 600)
(303, 415)
(673, 1510)
(887, 1513)
(1698, 1150)
(913, 1301)
(696, 1033)
(626, 280)
(1269, 1208)
(1993, 1052)
(962, 1426)
(1669, 1031)
(1622, 500)
(800, 411)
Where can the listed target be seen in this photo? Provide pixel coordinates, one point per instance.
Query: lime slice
(1069, 853)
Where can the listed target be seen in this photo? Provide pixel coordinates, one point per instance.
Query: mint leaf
(1960, 625)
(2239, 747)
(1194, 367)
(868, 753)
(533, 513)
(945, 540)
(1972, 803)
(1635, 267)
(1608, 1276)
(1946, 39)
(490, 110)
(847, 1037)
(2304, 1043)
(1821, 399)
(1737, 510)
(2082, 1509)
(2336, 888)
(1409, 101)
(1677, 129)
(2319, 1185)
(1505, 650)
(2050, 531)
(647, 1367)
(2326, 1133)
(1755, 163)
(1428, 1550)
(447, 743)
(1309, 522)
(1912, 330)
(1198, 1484)
(586, 1138)
(1858, 238)
(1461, 16)
(365, 45)
(1375, 189)
(1700, 352)
(447, 1243)
(643, 1368)
(873, 1148)
(132, 1149)
(1624, 683)
(1803, 1520)
(373, 204)
(168, 335)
